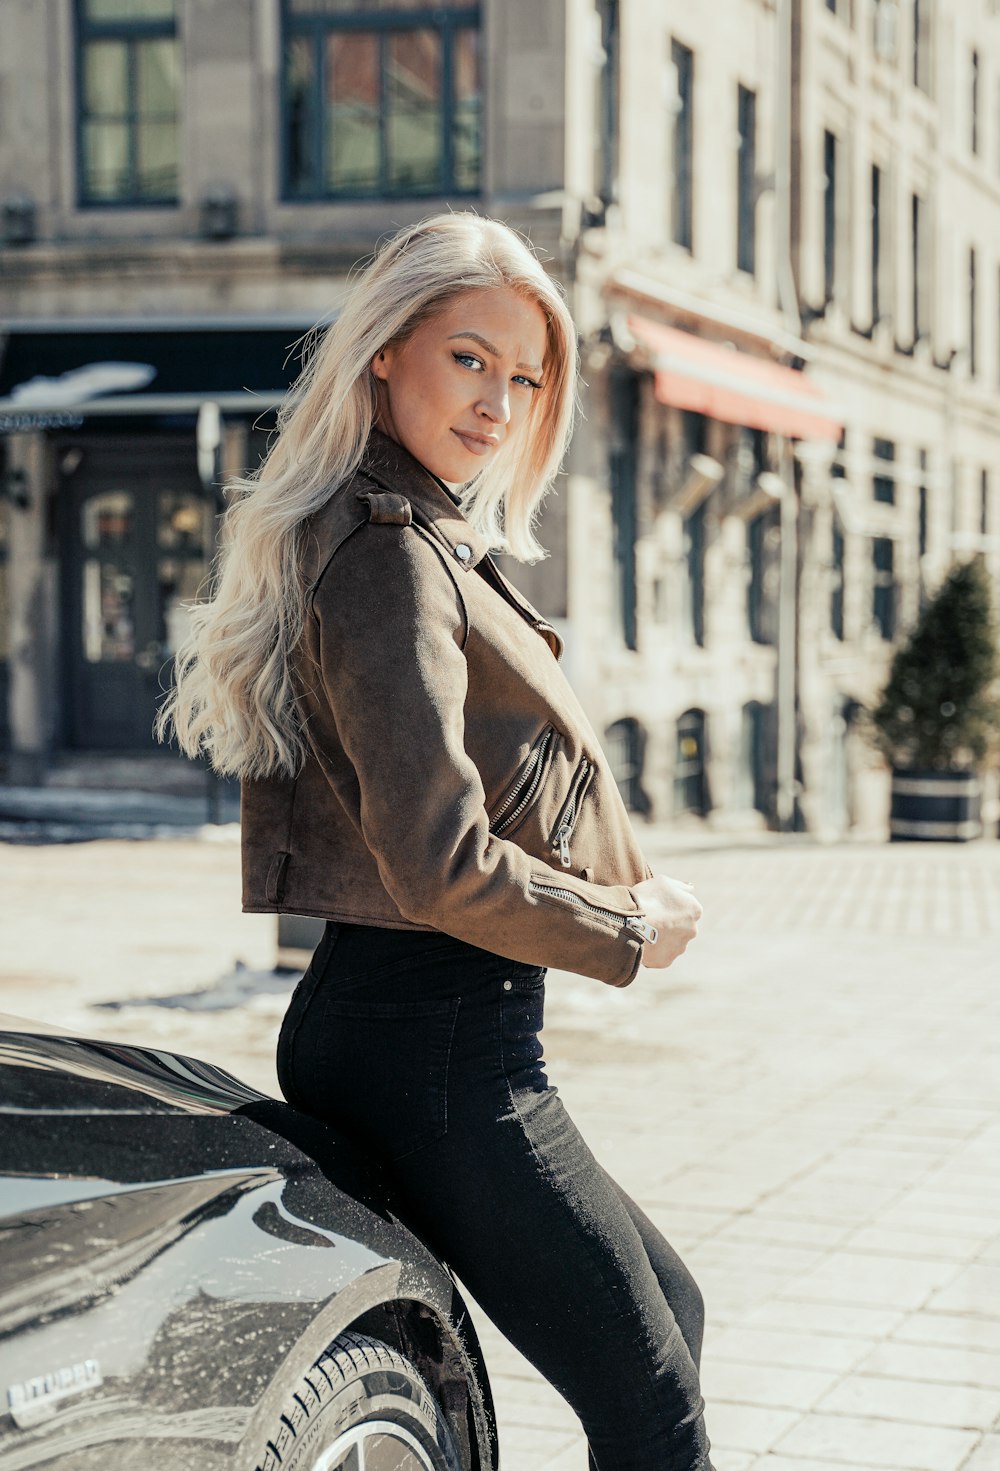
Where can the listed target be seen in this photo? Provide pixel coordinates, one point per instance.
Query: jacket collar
(393, 468)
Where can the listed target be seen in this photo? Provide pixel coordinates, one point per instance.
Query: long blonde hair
(233, 697)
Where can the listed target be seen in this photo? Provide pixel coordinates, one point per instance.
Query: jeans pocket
(387, 1068)
(522, 1016)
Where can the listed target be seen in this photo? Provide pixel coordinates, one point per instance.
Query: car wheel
(361, 1407)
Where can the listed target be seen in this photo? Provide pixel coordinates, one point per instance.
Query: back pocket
(386, 1069)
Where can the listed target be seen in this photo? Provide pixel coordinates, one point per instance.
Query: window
(876, 243)
(694, 428)
(690, 774)
(919, 268)
(883, 587)
(625, 743)
(884, 480)
(756, 768)
(921, 45)
(623, 445)
(984, 501)
(829, 215)
(974, 104)
(128, 90)
(973, 305)
(608, 103)
(922, 505)
(746, 180)
(837, 579)
(885, 28)
(381, 102)
(763, 582)
(682, 207)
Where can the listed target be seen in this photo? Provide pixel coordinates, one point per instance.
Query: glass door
(138, 545)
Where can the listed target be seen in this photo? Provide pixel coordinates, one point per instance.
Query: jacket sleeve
(395, 676)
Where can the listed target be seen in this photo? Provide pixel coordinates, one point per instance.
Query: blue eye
(466, 358)
(530, 381)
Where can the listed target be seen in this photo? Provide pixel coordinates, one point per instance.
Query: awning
(73, 371)
(724, 383)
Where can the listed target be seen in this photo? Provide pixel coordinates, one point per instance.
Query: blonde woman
(416, 771)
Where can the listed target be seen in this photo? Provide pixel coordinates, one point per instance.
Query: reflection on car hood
(45, 1072)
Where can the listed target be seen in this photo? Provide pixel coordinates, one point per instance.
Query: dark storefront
(107, 419)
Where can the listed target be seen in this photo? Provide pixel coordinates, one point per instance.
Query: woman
(416, 770)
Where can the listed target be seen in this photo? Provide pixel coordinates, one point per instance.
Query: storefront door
(136, 543)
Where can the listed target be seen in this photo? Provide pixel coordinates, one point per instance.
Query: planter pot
(935, 806)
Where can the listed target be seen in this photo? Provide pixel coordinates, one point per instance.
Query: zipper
(635, 922)
(525, 785)
(567, 822)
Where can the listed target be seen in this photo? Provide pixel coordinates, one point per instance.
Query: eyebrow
(484, 342)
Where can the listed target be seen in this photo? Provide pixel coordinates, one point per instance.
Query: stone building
(789, 295)
(774, 220)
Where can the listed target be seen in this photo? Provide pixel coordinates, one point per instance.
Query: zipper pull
(642, 927)
(564, 857)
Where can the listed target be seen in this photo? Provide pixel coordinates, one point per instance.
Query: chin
(456, 468)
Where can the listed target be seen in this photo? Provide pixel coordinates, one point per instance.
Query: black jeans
(427, 1049)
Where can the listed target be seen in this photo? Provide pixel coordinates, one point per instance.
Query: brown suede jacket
(452, 780)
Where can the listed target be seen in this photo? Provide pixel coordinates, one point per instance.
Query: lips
(476, 443)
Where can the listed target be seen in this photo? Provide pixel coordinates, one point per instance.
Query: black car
(195, 1275)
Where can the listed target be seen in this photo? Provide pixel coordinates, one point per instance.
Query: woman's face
(463, 384)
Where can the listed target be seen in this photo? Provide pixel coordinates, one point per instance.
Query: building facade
(790, 300)
(775, 220)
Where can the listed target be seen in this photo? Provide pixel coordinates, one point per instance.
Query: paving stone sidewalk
(806, 1103)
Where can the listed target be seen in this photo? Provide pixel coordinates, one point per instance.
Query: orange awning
(724, 383)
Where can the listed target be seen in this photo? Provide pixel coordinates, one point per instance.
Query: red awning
(723, 383)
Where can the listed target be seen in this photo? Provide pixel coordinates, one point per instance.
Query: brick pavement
(806, 1103)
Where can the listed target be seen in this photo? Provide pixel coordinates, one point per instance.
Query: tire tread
(348, 1357)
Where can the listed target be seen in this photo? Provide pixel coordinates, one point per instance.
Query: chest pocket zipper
(570, 813)
(520, 794)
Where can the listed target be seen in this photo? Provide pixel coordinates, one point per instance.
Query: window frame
(831, 214)
(682, 151)
(885, 587)
(838, 558)
(975, 89)
(884, 471)
(921, 303)
(973, 311)
(922, 58)
(86, 30)
(445, 20)
(746, 180)
(609, 103)
(875, 242)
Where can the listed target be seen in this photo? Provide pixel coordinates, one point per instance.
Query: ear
(380, 366)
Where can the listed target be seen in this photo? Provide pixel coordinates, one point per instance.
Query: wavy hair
(233, 698)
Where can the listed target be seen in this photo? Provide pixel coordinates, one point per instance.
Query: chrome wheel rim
(383, 1441)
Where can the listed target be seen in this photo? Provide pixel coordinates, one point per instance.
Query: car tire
(361, 1401)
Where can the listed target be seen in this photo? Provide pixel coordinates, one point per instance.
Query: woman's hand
(670, 905)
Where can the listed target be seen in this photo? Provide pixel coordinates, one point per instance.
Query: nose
(495, 405)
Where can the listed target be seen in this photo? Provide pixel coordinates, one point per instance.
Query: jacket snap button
(462, 552)
(507, 985)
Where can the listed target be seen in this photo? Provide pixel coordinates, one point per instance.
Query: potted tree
(938, 719)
